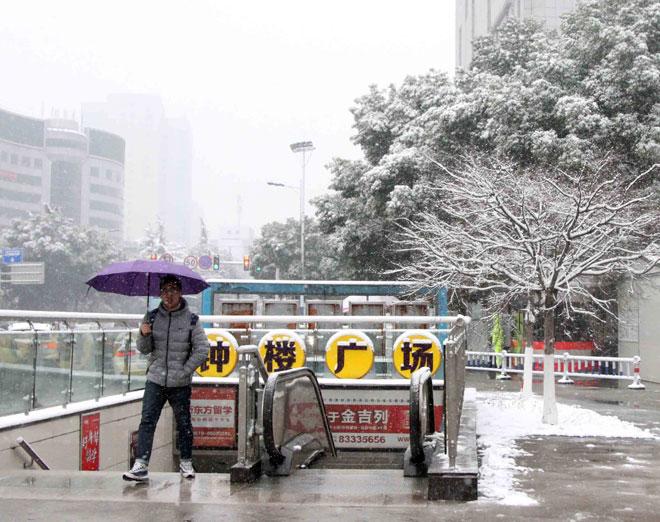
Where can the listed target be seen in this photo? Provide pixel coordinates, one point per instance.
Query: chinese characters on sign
(213, 415)
(282, 350)
(90, 435)
(349, 354)
(222, 356)
(415, 349)
(364, 419)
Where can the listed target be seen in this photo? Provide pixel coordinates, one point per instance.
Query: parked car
(124, 353)
(21, 343)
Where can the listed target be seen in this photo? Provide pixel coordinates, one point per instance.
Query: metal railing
(34, 456)
(455, 357)
(80, 356)
(566, 366)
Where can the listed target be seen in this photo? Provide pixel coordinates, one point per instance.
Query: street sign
(12, 255)
(23, 274)
(190, 262)
(205, 262)
(167, 258)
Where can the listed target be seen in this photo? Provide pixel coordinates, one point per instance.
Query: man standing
(177, 345)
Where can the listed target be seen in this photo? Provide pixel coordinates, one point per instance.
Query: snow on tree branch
(519, 231)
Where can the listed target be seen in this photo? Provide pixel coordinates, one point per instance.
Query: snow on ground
(503, 418)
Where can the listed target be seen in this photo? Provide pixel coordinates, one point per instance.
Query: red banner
(568, 346)
(213, 412)
(90, 441)
(372, 419)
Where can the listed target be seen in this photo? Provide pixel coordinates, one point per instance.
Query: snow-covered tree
(154, 241)
(535, 233)
(277, 252)
(541, 99)
(71, 254)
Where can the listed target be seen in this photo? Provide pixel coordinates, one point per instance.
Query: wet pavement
(569, 478)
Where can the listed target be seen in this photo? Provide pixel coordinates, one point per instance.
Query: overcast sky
(251, 77)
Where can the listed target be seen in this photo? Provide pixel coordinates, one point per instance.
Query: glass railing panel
(116, 361)
(52, 375)
(16, 365)
(86, 381)
(135, 363)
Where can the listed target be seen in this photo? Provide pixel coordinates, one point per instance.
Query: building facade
(475, 18)
(639, 328)
(158, 162)
(53, 162)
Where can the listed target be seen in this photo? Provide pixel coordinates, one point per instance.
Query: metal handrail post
(71, 353)
(128, 369)
(25, 446)
(35, 347)
(102, 357)
(248, 465)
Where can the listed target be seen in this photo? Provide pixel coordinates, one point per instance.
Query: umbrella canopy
(142, 277)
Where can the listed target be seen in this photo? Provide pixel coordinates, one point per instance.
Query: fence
(81, 356)
(566, 366)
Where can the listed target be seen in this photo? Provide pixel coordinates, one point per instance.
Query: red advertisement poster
(213, 412)
(90, 441)
(369, 419)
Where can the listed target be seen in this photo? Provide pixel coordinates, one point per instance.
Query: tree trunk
(550, 415)
(529, 354)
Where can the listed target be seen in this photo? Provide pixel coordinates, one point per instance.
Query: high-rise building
(475, 18)
(53, 162)
(158, 162)
(175, 186)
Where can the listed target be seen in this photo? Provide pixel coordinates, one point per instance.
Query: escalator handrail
(252, 349)
(267, 411)
(420, 379)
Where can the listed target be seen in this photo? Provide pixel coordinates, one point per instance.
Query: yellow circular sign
(222, 356)
(414, 349)
(349, 354)
(282, 350)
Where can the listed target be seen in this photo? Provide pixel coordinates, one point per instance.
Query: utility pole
(304, 147)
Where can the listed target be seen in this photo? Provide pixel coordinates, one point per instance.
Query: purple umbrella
(142, 277)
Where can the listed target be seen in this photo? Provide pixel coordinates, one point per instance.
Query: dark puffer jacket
(172, 359)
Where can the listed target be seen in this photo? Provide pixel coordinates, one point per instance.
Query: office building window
(94, 172)
(14, 159)
(3, 156)
(25, 161)
(38, 164)
(108, 174)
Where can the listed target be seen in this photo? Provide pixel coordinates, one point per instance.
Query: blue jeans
(155, 397)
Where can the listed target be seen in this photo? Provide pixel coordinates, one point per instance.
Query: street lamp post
(292, 187)
(303, 147)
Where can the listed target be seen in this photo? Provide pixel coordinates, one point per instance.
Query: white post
(565, 379)
(637, 379)
(527, 373)
(550, 414)
(302, 219)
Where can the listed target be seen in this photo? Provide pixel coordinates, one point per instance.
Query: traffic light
(246, 263)
(153, 256)
(257, 269)
(216, 263)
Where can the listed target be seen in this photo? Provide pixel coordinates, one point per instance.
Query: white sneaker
(139, 472)
(186, 468)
